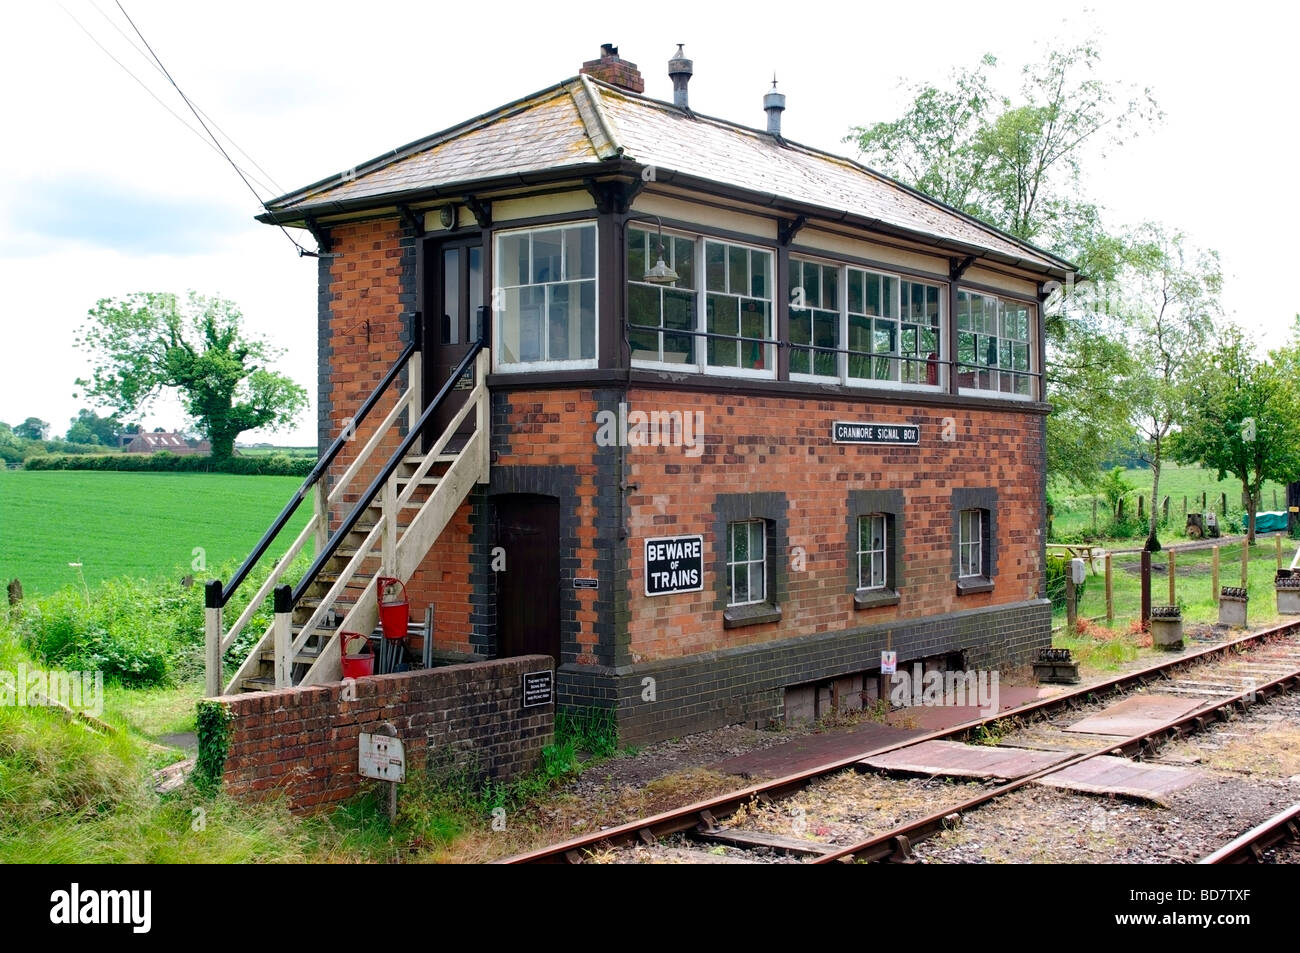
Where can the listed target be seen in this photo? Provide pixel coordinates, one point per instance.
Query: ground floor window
(974, 538)
(875, 547)
(746, 562)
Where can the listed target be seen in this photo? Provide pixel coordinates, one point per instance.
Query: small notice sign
(382, 757)
(888, 663)
(674, 564)
(865, 431)
(539, 688)
(585, 582)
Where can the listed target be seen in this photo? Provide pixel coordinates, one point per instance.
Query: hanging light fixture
(660, 273)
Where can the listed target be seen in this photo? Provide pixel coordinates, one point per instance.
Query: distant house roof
(583, 125)
(171, 442)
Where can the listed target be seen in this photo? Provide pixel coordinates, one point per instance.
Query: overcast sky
(103, 193)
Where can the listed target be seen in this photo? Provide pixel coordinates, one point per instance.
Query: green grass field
(131, 524)
(1072, 513)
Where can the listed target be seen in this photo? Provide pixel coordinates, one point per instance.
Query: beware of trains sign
(674, 564)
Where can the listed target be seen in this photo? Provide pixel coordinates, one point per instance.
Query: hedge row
(276, 464)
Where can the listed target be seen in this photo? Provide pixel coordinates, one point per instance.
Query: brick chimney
(617, 72)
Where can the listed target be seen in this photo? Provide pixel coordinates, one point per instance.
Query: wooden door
(528, 589)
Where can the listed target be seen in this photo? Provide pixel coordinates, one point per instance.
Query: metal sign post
(382, 757)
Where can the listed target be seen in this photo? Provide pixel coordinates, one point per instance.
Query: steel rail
(685, 818)
(1249, 847)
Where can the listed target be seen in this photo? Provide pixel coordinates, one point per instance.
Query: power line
(238, 171)
(145, 86)
(266, 176)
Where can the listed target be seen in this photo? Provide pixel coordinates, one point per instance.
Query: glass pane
(642, 305)
(546, 256)
(888, 296)
(827, 334)
(757, 542)
(800, 327)
(587, 320)
(636, 254)
(684, 261)
(475, 287)
(512, 269)
(451, 296)
(812, 285)
(798, 296)
(918, 299)
(757, 583)
(722, 317)
(739, 542)
(963, 311)
(855, 291)
(859, 341)
(521, 324)
(580, 252)
(966, 348)
(1020, 357)
(830, 287)
(760, 271)
(932, 305)
(754, 324)
(740, 584)
(737, 269)
(561, 343)
(873, 294)
(715, 266)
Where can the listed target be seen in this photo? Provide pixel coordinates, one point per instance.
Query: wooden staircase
(390, 528)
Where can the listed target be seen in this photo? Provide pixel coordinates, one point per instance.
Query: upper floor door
(453, 312)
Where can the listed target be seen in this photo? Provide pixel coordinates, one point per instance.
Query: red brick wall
(303, 742)
(782, 444)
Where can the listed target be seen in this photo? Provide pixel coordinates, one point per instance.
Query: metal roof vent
(774, 104)
(680, 70)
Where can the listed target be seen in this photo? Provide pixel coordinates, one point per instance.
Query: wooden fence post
(1184, 506)
(1172, 600)
(1245, 564)
(1071, 600)
(1110, 594)
(1146, 588)
(1164, 509)
(1278, 541)
(1223, 505)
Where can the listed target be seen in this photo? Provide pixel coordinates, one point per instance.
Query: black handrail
(363, 502)
(318, 470)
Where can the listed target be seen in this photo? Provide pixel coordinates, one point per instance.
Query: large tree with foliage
(90, 428)
(149, 342)
(1242, 416)
(33, 428)
(1017, 162)
(1172, 293)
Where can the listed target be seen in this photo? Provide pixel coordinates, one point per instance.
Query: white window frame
(702, 310)
(841, 286)
(897, 318)
(684, 366)
(750, 564)
(874, 553)
(499, 289)
(965, 543)
(1031, 346)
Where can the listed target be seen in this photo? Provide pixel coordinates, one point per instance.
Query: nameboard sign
(852, 431)
(674, 564)
(539, 688)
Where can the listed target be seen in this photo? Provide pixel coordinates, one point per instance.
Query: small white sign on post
(1077, 571)
(382, 757)
(888, 663)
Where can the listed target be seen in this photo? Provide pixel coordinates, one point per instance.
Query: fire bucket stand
(394, 619)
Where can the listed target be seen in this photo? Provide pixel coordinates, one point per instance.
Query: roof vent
(774, 104)
(617, 72)
(679, 71)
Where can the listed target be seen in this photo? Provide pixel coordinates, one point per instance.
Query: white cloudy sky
(102, 192)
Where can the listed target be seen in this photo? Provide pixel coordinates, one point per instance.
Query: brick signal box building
(757, 412)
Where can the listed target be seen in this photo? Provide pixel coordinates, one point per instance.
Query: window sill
(969, 585)
(875, 598)
(736, 617)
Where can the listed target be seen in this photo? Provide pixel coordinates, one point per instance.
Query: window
(546, 291)
(873, 546)
(994, 341)
(814, 318)
(655, 311)
(974, 537)
(746, 562)
(895, 329)
(971, 544)
(738, 303)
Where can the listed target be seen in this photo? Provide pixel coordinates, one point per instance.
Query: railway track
(1250, 847)
(700, 820)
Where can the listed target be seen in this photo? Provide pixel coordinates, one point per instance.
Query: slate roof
(581, 123)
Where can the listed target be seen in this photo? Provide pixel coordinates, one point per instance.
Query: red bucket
(394, 614)
(356, 664)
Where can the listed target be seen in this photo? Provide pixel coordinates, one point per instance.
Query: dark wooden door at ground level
(528, 589)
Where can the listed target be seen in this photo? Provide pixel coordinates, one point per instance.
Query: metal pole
(1071, 609)
(1110, 594)
(1245, 564)
(1172, 600)
(1214, 573)
(283, 636)
(212, 638)
(1146, 587)
(1277, 540)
